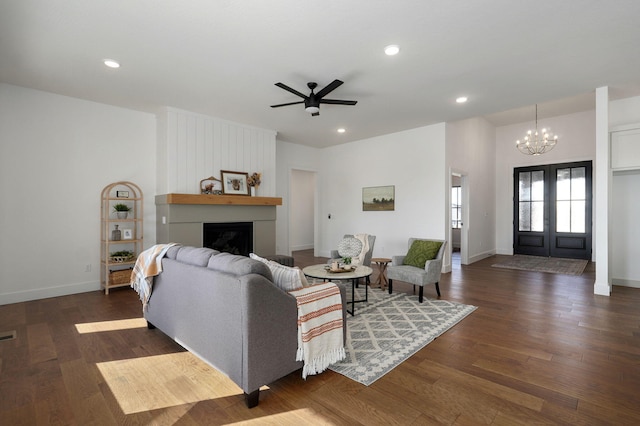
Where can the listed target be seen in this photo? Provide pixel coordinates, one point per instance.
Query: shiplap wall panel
(199, 146)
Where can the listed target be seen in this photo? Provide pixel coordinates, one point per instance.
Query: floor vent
(7, 335)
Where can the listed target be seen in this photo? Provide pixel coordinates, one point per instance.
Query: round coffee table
(323, 272)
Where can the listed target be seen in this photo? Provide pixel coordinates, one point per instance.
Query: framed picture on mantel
(211, 185)
(234, 183)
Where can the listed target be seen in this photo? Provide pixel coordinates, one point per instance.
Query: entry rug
(390, 328)
(553, 265)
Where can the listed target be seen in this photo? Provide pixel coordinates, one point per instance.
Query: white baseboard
(602, 289)
(302, 247)
(625, 283)
(507, 252)
(44, 293)
(481, 256)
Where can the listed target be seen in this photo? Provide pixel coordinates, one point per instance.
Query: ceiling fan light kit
(313, 100)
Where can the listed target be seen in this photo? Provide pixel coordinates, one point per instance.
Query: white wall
(471, 151)
(192, 147)
(413, 161)
(624, 112)
(56, 155)
(576, 134)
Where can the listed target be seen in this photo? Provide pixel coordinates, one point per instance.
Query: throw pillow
(421, 251)
(286, 277)
(349, 247)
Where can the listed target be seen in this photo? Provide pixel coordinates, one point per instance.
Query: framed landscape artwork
(378, 198)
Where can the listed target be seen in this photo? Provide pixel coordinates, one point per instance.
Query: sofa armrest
(270, 324)
(335, 254)
(397, 260)
(269, 327)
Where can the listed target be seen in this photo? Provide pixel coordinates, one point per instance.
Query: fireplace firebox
(230, 237)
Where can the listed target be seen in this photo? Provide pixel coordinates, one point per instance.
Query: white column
(602, 285)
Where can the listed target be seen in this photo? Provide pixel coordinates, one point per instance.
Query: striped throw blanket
(320, 336)
(148, 265)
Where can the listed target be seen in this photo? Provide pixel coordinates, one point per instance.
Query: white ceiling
(223, 57)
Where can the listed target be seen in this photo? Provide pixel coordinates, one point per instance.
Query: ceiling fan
(313, 101)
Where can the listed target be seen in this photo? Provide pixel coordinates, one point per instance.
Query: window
(456, 207)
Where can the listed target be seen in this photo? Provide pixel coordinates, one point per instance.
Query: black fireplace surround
(229, 237)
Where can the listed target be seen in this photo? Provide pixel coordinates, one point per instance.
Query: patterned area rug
(390, 328)
(553, 265)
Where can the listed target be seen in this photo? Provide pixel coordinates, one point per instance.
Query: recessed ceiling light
(392, 49)
(461, 99)
(111, 63)
(341, 130)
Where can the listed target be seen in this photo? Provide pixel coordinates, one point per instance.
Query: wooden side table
(382, 263)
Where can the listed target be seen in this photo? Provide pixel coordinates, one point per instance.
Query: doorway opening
(302, 210)
(459, 217)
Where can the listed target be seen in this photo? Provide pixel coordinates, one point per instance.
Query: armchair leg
(390, 285)
(421, 294)
(438, 289)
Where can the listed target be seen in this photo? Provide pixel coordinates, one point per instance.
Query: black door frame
(549, 242)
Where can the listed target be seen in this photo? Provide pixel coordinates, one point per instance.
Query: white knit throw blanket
(364, 239)
(320, 335)
(148, 265)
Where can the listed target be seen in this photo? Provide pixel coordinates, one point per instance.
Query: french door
(552, 210)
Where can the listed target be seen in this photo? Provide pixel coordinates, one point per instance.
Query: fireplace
(229, 237)
(181, 218)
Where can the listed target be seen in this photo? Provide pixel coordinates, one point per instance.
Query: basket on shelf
(121, 276)
(121, 259)
(122, 256)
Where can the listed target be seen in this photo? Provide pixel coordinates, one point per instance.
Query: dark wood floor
(540, 349)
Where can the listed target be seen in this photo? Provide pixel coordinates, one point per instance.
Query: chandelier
(536, 143)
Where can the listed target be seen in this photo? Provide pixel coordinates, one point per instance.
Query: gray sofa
(226, 310)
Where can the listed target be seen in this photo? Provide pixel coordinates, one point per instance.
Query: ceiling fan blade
(289, 89)
(287, 104)
(337, 102)
(329, 88)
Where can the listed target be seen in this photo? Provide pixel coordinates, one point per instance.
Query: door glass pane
(563, 184)
(524, 224)
(577, 216)
(537, 216)
(578, 183)
(537, 185)
(563, 216)
(524, 186)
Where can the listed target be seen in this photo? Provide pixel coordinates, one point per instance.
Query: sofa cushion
(421, 251)
(173, 252)
(238, 265)
(197, 256)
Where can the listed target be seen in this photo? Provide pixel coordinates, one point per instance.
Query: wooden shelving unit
(115, 270)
